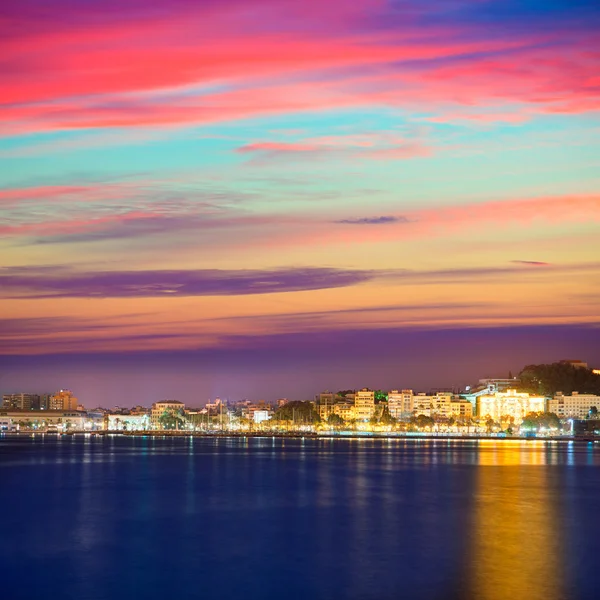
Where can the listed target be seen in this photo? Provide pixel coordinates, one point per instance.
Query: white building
(261, 415)
(127, 422)
(44, 420)
(576, 406)
(501, 406)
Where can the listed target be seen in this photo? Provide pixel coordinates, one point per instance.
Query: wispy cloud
(384, 219)
(531, 263)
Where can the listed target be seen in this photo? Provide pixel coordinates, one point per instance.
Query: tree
(171, 419)
(386, 418)
(297, 411)
(593, 414)
(335, 420)
(537, 420)
(380, 396)
(422, 421)
(547, 379)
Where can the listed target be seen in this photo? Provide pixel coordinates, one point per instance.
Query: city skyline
(231, 199)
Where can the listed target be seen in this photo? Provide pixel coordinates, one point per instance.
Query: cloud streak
(65, 283)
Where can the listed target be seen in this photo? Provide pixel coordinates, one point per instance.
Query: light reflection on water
(516, 539)
(353, 518)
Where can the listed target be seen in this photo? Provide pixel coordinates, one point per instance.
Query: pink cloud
(277, 147)
(375, 145)
(108, 74)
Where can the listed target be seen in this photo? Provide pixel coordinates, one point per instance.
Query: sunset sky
(267, 198)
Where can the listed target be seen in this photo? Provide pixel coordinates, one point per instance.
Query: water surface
(111, 518)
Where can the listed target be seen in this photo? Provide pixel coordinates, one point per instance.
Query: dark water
(265, 519)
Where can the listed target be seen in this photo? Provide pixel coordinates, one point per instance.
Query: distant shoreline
(308, 434)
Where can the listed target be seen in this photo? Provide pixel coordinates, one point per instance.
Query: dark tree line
(559, 377)
(298, 411)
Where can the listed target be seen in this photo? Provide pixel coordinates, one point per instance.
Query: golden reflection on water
(515, 536)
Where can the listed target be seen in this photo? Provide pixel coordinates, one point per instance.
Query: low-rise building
(162, 407)
(345, 410)
(132, 422)
(575, 406)
(261, 415)
(43, 420)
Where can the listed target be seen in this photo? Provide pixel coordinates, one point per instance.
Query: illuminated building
(487, 386)
(442, 404)
(422, 404)
(21, 401)
(344, 410)
(43, 420)
(364, 404)
(576, 405)
(62, 400)
(132, 422)
(400, 403)
(159, 409)
(511, 404)
(261, 415)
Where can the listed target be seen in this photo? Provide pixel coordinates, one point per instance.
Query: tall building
(62, 400)
(364, 404)
(21, 401)
(401, 403)
(576, 406)
(502, 406)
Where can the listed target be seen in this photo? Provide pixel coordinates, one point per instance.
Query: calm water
(265, 519)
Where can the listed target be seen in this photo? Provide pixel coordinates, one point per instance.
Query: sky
(269, 198)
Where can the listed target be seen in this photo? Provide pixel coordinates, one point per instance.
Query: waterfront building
(132, 422)
(461, 409)
(6, 424)
(443, 404)
(260, 415)
(345, 410)
(422, 404)
(510, 404)
(364, 404)
(401, 403)
(486, 387)
(162, 407)
(62, 400)
(575, 406)
(44, 420)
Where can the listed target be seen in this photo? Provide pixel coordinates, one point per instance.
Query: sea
(117, 517)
